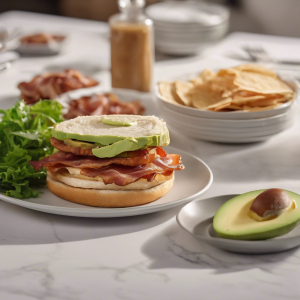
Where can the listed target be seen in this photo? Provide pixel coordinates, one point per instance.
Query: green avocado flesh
(80, 144)
(117, 122)
(231, 220)
(105, 140)
(116, 148)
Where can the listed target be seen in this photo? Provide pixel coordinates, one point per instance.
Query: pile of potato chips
(244, 88)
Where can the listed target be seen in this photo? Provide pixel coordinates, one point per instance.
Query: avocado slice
(80, 144)
(154, 140)
(112, 122)
(231, 220)
(129, 144)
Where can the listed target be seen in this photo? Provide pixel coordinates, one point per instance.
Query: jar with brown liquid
(131, 36)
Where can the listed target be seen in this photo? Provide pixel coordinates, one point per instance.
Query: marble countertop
(50, 257)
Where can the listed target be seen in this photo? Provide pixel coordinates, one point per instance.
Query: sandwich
(110, 160)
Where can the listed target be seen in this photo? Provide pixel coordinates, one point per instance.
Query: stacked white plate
(229, 127)
(187, 27)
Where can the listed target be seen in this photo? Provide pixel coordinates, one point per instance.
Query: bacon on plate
(41, 38)
(105, 104)
(49, 85)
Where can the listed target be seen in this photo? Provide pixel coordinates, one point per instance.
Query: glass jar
(131, 36)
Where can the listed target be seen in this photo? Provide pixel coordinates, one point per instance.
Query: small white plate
(194, 180)
(196, 218)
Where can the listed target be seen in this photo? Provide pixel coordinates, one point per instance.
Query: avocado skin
(260, 236)
(266, 231)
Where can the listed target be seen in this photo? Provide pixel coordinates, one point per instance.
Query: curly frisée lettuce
(25, 133)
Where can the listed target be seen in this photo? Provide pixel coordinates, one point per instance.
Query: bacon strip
(123, 175)
(49, 85)
(105, 104)
(63, 159)
(120, 171)
(60, 145)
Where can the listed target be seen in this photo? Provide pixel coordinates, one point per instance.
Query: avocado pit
(270, 204)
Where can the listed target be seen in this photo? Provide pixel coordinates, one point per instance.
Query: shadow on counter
(22, 226)
(175, 248)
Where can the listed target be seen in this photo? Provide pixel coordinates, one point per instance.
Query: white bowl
(225, 123)
(215, 132)
(265, 129)
(236, 115)
(188, 13)
(223, 138)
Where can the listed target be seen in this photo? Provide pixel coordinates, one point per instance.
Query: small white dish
(196, 218)
(193, 181)
(40, 49)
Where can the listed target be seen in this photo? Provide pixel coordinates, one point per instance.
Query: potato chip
(168, 91)
(183, 91)
(204, 97)
(260, 83)
(234, 107)
(253, 109)
(262, 103)
(256, 69)
(223, 106)
(225, 102)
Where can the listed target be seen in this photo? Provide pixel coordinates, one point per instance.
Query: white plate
(194, 180)
(239, 115)
(196, 218)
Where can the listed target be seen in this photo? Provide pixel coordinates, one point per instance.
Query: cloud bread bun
(78, 190)
(147, 130)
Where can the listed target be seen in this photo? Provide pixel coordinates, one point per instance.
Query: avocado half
(231, 220)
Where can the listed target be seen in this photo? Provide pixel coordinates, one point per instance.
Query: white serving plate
(196, 218)
(239, 115)
(193, 181)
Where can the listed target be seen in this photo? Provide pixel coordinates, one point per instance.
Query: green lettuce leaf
(25, 133)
